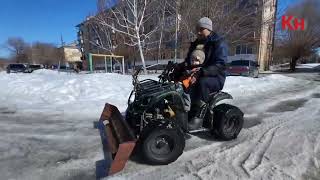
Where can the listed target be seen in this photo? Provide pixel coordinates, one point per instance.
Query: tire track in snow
(191, 169)
(219, 154)
(241, 164)
(316, 151)
(257, 147)
(255, 158)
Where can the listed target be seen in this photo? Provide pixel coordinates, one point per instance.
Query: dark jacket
(216, 52)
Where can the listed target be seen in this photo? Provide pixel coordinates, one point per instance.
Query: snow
(309, 65)
(45, 90)
(46, 129)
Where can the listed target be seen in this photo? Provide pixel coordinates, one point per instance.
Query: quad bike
(157, 119)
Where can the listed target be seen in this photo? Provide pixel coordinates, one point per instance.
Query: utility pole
(267, 33)
(177, 29)
(62, 42)
(61, 51)
(274, 31)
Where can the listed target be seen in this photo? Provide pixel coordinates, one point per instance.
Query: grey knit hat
(205, 22)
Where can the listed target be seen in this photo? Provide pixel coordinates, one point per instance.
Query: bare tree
(131, 22)
(3, 63)
(103, 37)
(19, 49)
(233, 19)
(132, 19)
(45, 53)
(295, 45)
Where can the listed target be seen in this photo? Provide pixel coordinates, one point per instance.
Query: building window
(238, 49)
(244, 49)
(249, 49)
(163, 55)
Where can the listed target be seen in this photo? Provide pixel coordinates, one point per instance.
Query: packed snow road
(47, 130)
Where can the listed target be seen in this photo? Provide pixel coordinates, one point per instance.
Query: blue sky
(47, 20)
(42, 20)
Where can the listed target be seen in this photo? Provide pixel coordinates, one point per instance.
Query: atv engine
(154, 101)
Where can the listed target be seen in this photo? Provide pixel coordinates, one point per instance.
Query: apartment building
(251, 39)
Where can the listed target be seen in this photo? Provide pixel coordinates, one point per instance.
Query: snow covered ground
(309, 65)
(47, 129)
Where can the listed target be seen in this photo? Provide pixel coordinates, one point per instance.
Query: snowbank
(46, 72)
(85, 94)
(309, 65)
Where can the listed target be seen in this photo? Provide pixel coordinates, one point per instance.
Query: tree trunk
(141, 54)
(161, 34)
(293, 63)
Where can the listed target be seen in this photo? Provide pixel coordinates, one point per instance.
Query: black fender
(217, 97)
(214, 99)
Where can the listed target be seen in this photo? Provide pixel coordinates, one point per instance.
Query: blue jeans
(204, 86)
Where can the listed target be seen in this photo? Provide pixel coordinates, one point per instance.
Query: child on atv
(197, 58)
(211, 73)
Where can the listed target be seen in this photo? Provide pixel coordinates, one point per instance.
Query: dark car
(243, 68)
(17, 68)
(33, 67)
(68, 69)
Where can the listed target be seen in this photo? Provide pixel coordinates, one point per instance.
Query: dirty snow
(309, 65)
(47, 129)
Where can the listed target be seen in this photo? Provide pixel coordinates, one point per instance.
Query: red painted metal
(121, 139)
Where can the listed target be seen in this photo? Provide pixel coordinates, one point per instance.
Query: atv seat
(120, 138)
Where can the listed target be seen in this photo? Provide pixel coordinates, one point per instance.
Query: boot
(197, 121)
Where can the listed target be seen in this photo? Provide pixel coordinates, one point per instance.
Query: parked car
(243, 68)
(17, 68)
(33, 67)
(68, 69)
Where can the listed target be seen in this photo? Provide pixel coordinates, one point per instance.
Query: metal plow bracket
(120, 137)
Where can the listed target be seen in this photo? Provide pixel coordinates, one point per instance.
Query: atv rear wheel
(228, 121)
(161, 145)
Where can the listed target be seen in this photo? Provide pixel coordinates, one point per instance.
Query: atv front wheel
(228, 121)
(161, 145)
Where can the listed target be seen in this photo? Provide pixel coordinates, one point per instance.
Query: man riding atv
(209, 76)
(159, 116)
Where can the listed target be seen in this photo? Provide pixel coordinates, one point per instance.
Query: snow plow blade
(120, 137)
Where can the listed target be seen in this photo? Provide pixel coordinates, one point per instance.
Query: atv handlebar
(135, 80)
(168, 73)
(172, 72)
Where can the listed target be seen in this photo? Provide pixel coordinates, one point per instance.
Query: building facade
(251, 39)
